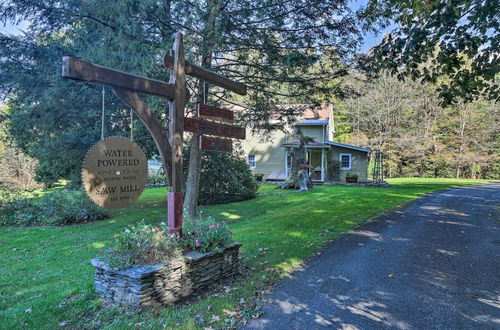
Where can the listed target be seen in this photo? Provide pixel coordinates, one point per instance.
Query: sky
(369, 39)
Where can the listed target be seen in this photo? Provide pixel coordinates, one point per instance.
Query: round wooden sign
(115, 173)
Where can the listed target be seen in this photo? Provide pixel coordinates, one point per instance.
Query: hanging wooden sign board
(215, 144)
(207, 127)
(115, 173)
(126, 86)
(214, 113)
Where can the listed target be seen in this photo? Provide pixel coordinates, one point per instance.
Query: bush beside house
(225, 178)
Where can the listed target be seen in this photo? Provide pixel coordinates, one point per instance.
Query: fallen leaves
(199, 319)
(214, 319)
(232, 314)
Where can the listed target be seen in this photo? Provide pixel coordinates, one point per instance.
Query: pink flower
(197, 243)
(218, 225)
(212, 226)
(116, 235)
(100, 253)
(157, 229)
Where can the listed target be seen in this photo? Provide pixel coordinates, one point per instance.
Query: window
(288, 161)
(251, 161)
(345, 161)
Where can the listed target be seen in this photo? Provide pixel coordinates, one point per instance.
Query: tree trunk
(193, 177)
(303, 181)
(298, 178)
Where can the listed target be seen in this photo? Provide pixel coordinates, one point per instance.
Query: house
(329, 161)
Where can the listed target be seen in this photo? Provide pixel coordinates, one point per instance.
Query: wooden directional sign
(126, 86)
(214, 113)
(207, 127)
(215, 144)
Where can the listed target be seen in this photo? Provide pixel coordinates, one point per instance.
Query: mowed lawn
(46, 280)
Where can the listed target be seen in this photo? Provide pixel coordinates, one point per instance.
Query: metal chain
(102, 115)
(204, 93)
(131, 124)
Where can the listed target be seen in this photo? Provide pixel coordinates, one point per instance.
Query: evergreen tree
(274, 46)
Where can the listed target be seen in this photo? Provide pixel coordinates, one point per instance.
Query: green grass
(46, 277)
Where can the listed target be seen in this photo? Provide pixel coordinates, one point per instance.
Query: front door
(315, 158)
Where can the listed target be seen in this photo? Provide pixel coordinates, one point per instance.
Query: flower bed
(148, 266)
(165, 283)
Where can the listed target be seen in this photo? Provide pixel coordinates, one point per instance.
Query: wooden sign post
(126, 86)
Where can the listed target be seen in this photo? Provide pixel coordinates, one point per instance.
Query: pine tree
(273, 46)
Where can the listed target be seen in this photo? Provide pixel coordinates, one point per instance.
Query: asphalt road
(434, 264)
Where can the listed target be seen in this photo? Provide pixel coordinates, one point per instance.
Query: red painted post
(175, 202)
(176, 131)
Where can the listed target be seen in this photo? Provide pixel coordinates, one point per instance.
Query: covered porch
(316, 158)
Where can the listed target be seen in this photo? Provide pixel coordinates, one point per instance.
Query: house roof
(313, 122)
(308, 114)
(325, 145)
(311, 112)
(347, 146)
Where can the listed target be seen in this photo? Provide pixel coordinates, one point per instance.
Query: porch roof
(347, 146)
(308, 145)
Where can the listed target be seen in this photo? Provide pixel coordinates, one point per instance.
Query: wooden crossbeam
(211, 77)
(153, 125)
(80, 70)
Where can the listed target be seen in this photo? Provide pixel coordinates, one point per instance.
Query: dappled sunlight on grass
(230, 216)
(98, 245)
(289, 264)
(296, 234)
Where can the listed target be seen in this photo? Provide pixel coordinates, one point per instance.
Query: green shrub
(52, 208)
(351, 175)
(156, 179)
(225, 178)
(259, 177)
(144, 244)
(334, 170)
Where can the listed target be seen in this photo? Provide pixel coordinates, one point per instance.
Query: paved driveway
(432, 265)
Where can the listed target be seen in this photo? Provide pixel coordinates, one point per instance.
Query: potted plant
(147, 266)
(351, 177)
(259, 177)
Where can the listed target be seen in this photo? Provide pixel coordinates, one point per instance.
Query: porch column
(322, 164)
(286, 164)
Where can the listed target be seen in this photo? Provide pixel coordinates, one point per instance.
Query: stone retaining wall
(165, 283)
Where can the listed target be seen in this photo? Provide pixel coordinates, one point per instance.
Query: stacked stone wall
(165, 283)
